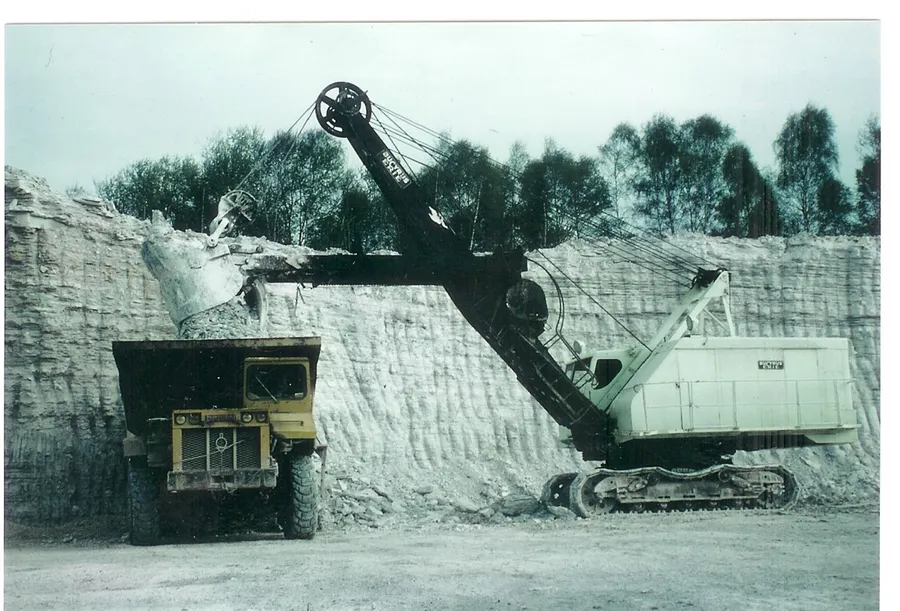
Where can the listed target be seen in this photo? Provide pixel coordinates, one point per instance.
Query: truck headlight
(246, 417)
(194, 418)
(180, 419)
(261, 416)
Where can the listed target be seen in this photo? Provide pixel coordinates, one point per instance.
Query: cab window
(279, 382)
(605, 371)
(577, 368)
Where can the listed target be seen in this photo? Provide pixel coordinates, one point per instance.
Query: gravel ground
(798, 560)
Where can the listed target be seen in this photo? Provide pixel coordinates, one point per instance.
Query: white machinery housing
(680, 385)
(717, 385)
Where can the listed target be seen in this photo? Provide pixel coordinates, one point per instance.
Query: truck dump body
(157, 377)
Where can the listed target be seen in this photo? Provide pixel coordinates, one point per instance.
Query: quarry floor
(805, 559)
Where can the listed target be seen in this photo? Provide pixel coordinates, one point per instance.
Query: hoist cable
(648, 261)
(400, 155)
(425, 129)
(645, 259)
(667, 255)
(388, 131)
(421, 145)
(275, 143)
(635, 233)
(639, 231)
(597, 303)
(651, 245)
(649, 249)
(629, 245)
(659, 255)
(654, 247)
(649, 265)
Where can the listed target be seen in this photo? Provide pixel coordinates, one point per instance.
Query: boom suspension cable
(589, 296)
(268, 153)
(668, 260)
(425, 147)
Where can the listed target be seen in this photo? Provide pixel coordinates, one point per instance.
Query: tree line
(665, 177)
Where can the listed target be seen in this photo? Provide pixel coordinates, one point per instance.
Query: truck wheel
(143, 505)
(302, 502)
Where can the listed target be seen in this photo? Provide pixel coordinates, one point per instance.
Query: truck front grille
(220, 449)
(247, 449)
(193, 449)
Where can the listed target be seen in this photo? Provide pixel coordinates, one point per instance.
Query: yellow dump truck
(218, 416)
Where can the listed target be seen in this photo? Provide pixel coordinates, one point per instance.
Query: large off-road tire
(301, 515)
(143, 504)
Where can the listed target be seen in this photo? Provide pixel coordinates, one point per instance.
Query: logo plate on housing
(771, 364)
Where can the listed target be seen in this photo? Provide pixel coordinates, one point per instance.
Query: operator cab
(595, 372)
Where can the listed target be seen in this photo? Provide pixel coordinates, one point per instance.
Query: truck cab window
(278, 382)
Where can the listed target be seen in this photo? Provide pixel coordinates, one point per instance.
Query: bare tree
(659, 179)
(618, 158)
(704, 141)
(868, 178)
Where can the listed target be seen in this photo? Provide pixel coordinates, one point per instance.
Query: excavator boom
(507, 310)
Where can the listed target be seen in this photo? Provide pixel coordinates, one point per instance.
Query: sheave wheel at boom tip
(341, 99)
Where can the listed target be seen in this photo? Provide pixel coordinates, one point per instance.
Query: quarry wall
(410, 398)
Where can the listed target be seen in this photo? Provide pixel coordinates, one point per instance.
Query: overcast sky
(84, 101)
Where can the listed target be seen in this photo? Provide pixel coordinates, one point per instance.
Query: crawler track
(657, 489)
